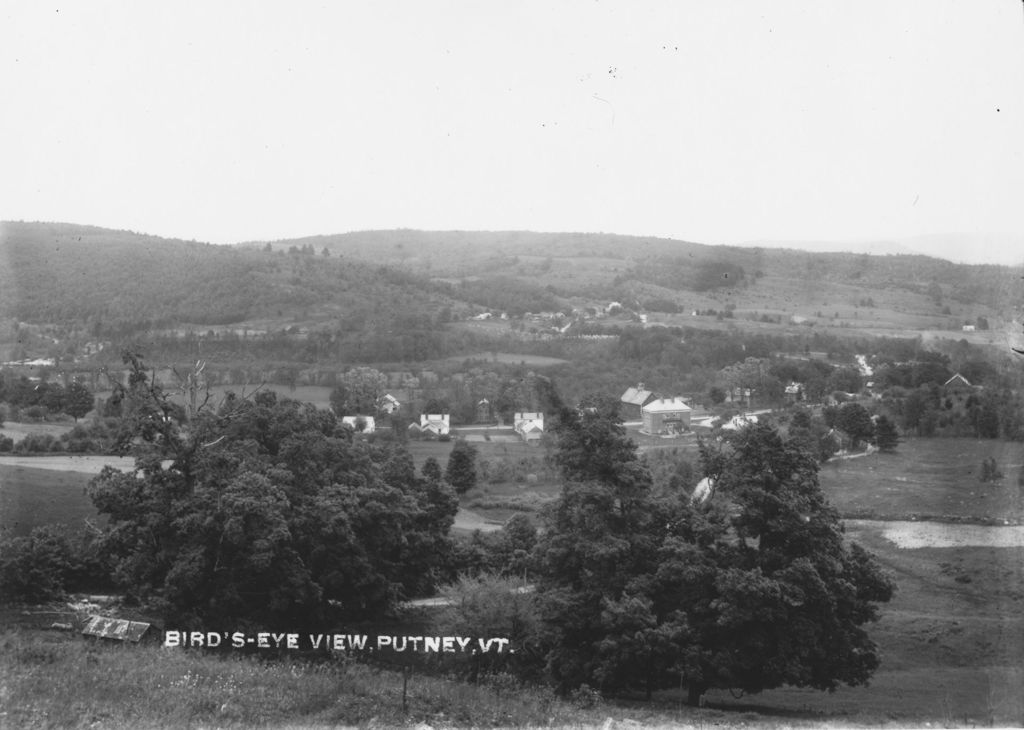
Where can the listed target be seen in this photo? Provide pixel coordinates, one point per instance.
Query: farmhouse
(438, 424)
(529, 426)
(666, 415)
(968, 328)
(360, 424)
(634, 400)
(794, 392)
(389, 404)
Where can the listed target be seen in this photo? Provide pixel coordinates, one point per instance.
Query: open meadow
(929, 479)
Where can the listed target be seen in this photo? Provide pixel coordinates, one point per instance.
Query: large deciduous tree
(267, 512)
(752, 589)
(78, 400)
(854, 420)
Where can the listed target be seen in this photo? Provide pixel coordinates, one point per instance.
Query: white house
(389, 404)
(529, 426)
(438, 424)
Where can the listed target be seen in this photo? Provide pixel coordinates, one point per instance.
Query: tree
(753, 589)
(358, 392)
(886, 436)
(431, 470)
(855, 421)
(460, 471)
(78, 400)
(268, 513)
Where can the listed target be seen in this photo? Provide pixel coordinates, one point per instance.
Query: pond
(907, 534)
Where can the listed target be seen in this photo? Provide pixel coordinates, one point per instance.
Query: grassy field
(506, 358)
(929, 478)
(32, 497)
(17, 431)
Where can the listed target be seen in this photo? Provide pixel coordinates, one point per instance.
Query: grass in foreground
(60, 681)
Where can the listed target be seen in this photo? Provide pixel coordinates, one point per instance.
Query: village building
(436, 424)
(666, 415)
(389, 404)
(634, 400)
(794, 392)
(529, 426)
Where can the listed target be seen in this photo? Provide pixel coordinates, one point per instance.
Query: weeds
(72, 682)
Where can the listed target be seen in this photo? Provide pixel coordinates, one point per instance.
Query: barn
(633, 402)
(666, 415)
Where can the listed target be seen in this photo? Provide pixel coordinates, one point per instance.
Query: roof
(667, 405)
(957, 378)
(738, 422)
(637, 396)
(369, 424)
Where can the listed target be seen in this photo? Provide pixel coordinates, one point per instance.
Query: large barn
(666, 415)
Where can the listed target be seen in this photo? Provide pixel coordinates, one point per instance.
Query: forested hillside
(61, 273)
(574, 263)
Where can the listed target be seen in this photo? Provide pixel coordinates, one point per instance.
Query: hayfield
(929, 478)
(16, 430)
(32, 497)
(506, 358)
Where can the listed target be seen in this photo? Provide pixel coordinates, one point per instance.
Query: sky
(723, 122)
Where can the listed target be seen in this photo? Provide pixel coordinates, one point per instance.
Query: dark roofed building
(633, 402)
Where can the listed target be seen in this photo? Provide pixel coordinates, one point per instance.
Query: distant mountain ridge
(1003, 249)
(55, 272)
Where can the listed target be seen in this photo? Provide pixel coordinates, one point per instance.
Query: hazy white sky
(711, 121)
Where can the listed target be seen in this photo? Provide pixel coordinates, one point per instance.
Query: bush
(36, 568)
(37, 443)
(6, 444)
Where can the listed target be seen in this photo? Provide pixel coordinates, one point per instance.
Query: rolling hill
(367, 294)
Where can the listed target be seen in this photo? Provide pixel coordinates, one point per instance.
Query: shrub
(6, 444)
(36, 568)
(35, 443)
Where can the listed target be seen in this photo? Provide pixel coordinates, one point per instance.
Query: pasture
(929, 479)
(507, 358)
(17, 430)
(33, 497)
